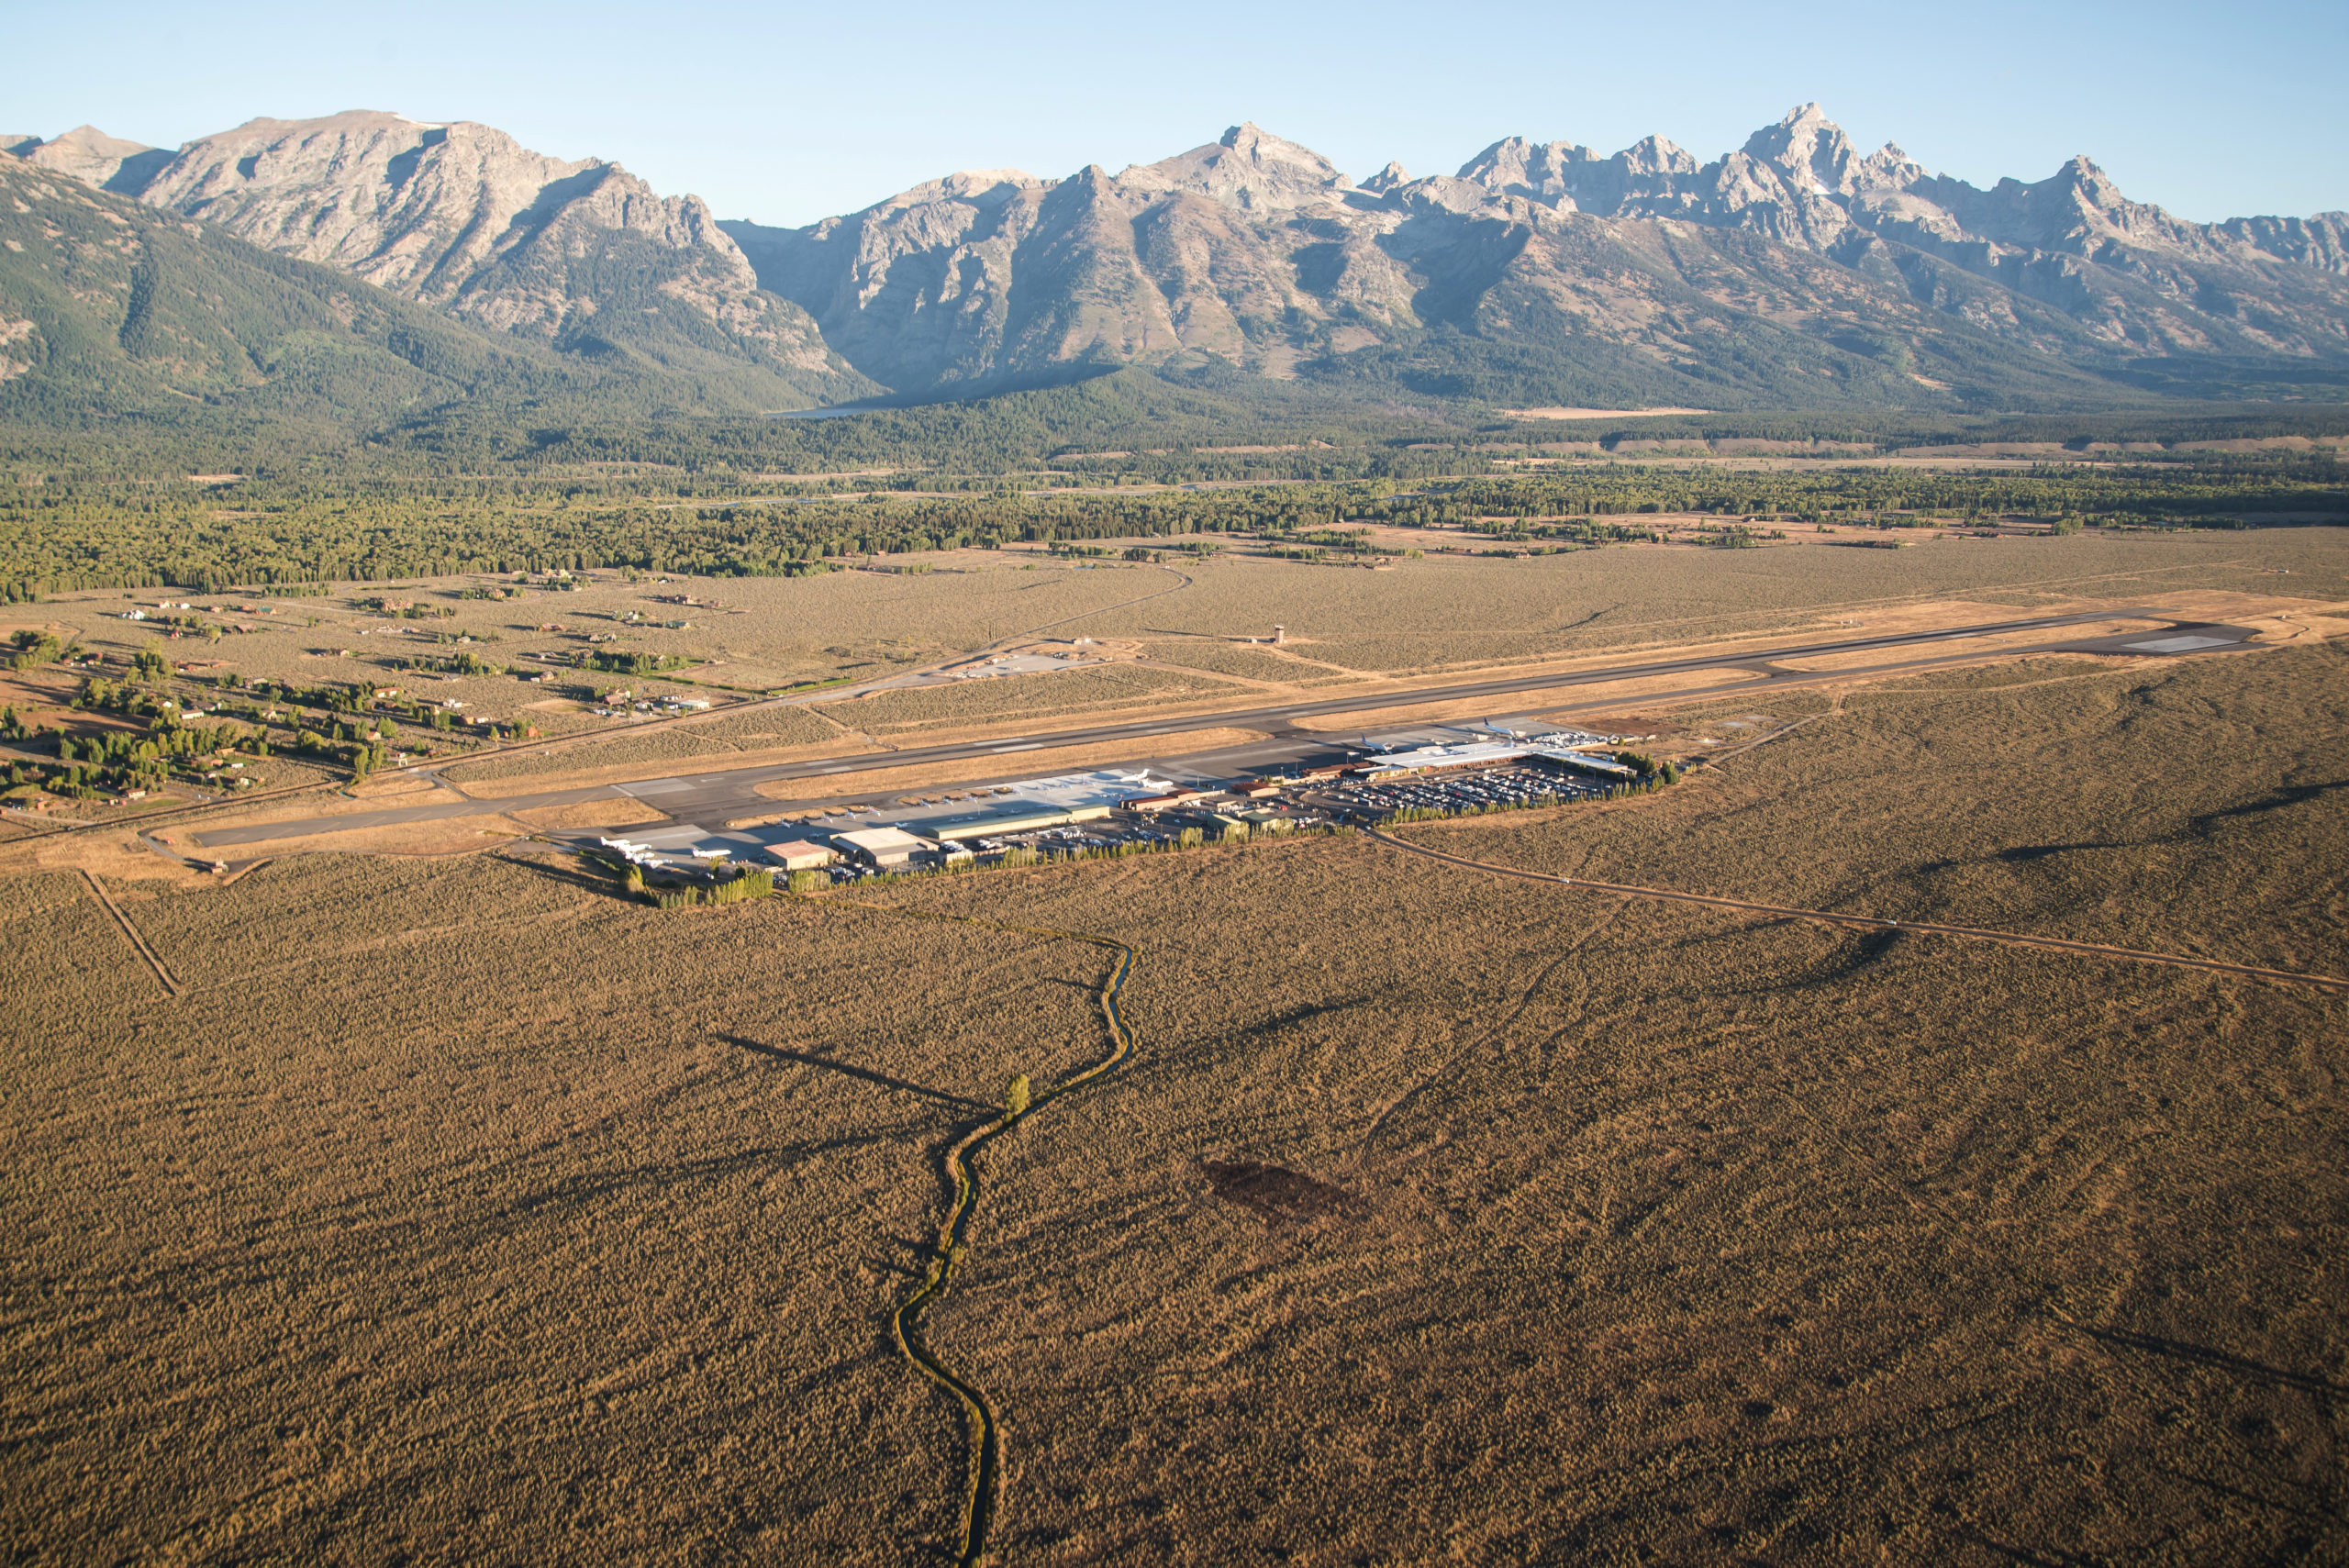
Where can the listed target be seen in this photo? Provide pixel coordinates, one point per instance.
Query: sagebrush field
(460, 1210)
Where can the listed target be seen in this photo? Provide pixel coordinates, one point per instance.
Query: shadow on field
(2023, 854)
(851, 1071)
(2203, 1355)
(2278, 799)
(1308, 1013)
(1275, 1193)
(2275, 800)
(1850, 958)
(569, 875)
(586, 1189)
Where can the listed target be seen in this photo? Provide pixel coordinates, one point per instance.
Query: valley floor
(376, 1204)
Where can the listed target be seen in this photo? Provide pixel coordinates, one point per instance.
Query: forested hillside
(578, 255)
(122, 327)
(1288, 325)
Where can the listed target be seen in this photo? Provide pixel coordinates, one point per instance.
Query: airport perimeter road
(709, 798)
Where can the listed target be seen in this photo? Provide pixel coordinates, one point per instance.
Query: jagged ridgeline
(368, 279)
(1793, 274)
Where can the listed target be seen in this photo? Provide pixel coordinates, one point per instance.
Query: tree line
(279, 535)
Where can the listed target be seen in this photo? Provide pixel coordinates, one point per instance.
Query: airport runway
(709, 799)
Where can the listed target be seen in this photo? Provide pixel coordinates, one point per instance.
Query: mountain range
(1796, 272)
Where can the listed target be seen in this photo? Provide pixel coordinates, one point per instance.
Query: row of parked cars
(1511, 786)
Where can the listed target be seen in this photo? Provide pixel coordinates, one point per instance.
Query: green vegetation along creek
(958, 1165)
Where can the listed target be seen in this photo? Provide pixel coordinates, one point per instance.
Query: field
(1018, 698)
(1439, 612)
(762, 730)
(459, 1209)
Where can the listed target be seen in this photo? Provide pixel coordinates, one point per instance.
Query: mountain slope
(91, 156)
(111, 309)
(1795, 270)
(1794, 273)
(581, 256)
(2138, 282)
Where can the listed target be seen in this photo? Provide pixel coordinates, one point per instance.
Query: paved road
(711, 798)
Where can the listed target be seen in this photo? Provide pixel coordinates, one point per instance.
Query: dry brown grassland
(1437, 614)
(743, 736)
(1443, 615)
(459, 1209)
(1061, 694)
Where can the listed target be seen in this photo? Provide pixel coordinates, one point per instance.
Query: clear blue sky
(784, 113)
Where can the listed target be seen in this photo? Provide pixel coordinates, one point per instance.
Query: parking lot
(1125, 832)
(1469, 791)
(1306, 806)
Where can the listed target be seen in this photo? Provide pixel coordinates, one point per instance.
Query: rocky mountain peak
(985, 187)
(2081, 172)
(1888, 169)
(1656, 155)
(1252, 249)
(1248, 168)
(90, 155)
(2083, 199)
(1808, 150)
(459, 215)
(1551, 175)
(416, 207)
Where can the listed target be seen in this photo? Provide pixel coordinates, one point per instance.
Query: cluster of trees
(130, 698)
(461, 663)
(406, 610)
(1648, 768)
(331, 696)
(743, 884)
(30, 649)
(629, 661)
(334, 701)
(2226, 485)
(133, 759)
(1737, 536)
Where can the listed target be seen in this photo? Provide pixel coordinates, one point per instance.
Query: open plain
(415, 1193)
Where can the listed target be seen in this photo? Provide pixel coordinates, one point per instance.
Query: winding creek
(960, 1171)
